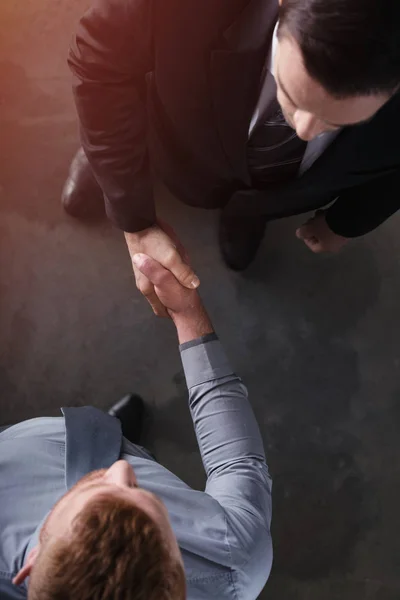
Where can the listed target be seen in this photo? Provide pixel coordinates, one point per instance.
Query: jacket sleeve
(109, 58)
(359, 210)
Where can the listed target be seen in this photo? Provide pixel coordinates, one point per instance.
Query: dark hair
(351, 47)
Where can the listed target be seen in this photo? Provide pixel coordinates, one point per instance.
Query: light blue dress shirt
(223, 531)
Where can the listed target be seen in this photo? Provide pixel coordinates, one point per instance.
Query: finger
(183, 253)
(170, 231)
(313, 244)
(184, 274)
(157, 306)
(154, 272)
(304, 231)
(143, 284)
(146, 287)
(159, 275)
(182, 271)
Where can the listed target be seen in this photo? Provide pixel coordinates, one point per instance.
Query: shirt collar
(272, 52)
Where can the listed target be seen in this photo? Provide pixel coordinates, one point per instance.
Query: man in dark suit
(259, 110)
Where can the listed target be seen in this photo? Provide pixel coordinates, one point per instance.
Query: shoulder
(42, 427)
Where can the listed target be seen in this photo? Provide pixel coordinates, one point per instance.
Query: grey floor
(315, 338)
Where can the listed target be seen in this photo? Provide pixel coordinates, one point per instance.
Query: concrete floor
(313, 337)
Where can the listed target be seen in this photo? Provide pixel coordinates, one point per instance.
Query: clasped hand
(162, 270)
(170, 293)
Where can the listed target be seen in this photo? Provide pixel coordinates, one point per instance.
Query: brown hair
(115, 552)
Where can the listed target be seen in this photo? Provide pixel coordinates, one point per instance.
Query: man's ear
(28, 566)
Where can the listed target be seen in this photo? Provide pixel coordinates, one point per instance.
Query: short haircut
(115, 552)
(351, 47)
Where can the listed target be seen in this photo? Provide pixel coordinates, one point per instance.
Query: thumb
(151, 268)
(313, 244)
(185, 275)
(307, 234)
(303, 232)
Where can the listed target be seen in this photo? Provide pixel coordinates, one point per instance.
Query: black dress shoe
(240, 239)
(82, 196)
(130, 411)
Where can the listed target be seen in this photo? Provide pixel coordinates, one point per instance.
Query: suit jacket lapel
(236, 69)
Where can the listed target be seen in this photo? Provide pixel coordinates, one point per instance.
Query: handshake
(162, 270)
(176, 300)
(169, 297)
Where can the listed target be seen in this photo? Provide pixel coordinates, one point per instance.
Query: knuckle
(186, 275)
(158, 310)
(169, 258)
(164, 277)
(145, 288)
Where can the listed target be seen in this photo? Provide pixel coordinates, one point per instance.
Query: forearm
(224, 421)
(227, 432)
(193, 324)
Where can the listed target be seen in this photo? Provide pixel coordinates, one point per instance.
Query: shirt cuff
(204, 360)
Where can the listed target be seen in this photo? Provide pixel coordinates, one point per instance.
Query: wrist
(192, 324)
(142, 227)
(135, 237)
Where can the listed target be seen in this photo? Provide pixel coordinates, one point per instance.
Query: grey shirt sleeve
(230, 444)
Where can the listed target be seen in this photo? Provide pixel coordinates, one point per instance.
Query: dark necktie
(274, 152)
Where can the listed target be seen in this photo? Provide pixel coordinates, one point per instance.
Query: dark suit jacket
(172, 84)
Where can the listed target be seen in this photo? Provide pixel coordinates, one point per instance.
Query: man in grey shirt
(85, 513)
